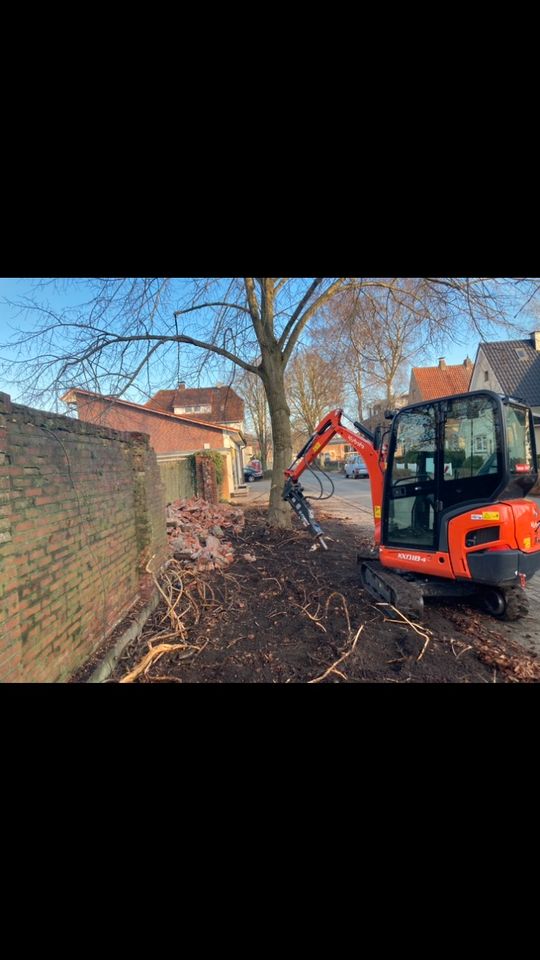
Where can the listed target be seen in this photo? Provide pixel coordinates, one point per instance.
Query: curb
(107, 665)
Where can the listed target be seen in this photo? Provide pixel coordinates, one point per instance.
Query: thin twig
(332, 669)
(305, 610)
(422, 632)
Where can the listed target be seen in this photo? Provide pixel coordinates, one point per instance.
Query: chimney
(442, 363)
(181, 386)
(535, 337)
(467, 363)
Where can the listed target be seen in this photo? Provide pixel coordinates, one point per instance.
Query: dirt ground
(282, 613)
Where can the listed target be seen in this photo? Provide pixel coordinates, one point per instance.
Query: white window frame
(481, 443)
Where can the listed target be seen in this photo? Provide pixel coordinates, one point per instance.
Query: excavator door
(411, 487)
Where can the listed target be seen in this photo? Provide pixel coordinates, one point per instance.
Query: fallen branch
(150, 657)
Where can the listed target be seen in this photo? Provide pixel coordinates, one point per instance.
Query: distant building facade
(219, 404)
(429, 383)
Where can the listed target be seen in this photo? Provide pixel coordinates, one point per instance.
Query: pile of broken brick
(196, 532)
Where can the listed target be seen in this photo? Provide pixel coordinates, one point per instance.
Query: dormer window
(195, 408)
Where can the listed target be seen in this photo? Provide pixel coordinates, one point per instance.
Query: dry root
(421, 631)
(332, 668)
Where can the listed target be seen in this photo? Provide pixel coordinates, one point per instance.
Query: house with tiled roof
(429, 383)
(173, 436)
(511, 367)
(219, 404)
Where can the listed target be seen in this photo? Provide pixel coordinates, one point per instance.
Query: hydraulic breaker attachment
(293, 492)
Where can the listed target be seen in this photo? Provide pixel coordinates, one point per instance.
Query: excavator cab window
(410, 482)
(519, 439)
(472, 445)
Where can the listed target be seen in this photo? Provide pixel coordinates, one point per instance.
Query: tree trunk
(272, 372)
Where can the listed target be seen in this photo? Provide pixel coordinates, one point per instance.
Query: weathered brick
(79, 515)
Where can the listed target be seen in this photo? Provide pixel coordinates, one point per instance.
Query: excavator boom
(363, 442)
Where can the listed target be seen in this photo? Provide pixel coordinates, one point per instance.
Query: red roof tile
(433, 382)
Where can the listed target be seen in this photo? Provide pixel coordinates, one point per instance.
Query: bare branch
(216, 303)
(303, 318)
(305, 299)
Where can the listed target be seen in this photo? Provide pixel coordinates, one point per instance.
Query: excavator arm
(362, 441)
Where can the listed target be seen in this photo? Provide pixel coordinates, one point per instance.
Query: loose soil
(291, 613)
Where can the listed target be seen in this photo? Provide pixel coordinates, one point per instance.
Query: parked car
(250, 475)
(355, 468)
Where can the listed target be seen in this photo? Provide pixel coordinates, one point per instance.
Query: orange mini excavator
(449, 480)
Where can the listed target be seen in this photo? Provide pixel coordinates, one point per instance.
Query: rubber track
(386, 587)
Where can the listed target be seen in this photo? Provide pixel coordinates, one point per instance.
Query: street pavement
(351, 501)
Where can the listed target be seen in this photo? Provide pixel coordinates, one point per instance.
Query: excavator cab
(448, 455)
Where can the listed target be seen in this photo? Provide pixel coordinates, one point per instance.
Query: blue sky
(16, 289)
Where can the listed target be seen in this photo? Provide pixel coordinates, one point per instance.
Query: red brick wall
(166, 435)
(81, 513)
(205, 472)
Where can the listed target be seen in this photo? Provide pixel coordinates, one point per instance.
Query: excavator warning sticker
(316, 446)
(377, 513)
(527, 543)
(487, 515)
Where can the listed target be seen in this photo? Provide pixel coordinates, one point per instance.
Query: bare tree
(386, 334)
(340, 334)
(252, 390)
(131, 332)
(314, 385)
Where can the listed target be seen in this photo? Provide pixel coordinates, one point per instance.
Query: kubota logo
(411, 556)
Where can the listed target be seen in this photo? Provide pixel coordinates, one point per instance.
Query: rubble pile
(196, 531)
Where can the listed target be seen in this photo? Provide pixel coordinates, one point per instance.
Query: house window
(196, 408)
(486, 376)
(521, 353)
(481, 444)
